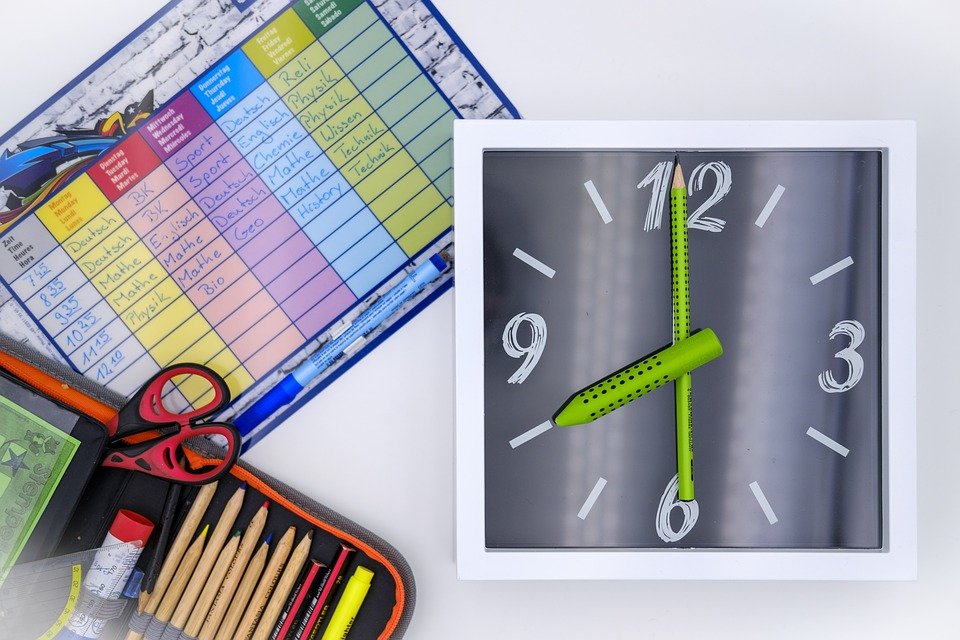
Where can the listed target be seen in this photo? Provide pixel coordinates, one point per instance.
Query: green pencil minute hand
(639, 378)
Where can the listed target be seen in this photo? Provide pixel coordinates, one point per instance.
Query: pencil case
(98, 492)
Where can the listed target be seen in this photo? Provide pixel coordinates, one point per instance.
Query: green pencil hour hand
(639, 378)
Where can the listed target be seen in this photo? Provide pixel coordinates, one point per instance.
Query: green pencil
(638, 378)
(680, 258)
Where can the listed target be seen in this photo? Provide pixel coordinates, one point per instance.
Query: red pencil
(292, 611)
(308, 624)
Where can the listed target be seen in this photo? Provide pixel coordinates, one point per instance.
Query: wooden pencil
(180, 579)
(244, 590)
(248, 623)
(210, 590)
(217, 539)
(280, 593)
(234, 573)
(151, 601)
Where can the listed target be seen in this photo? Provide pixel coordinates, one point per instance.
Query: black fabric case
(82, 508)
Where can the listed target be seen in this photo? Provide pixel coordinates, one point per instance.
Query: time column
(48, 261)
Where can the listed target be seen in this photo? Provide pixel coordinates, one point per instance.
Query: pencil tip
(203, 534)
(236, 534)
(266, 504)
(678, 181)
(142, 601)
(243, 486)
(268, 538)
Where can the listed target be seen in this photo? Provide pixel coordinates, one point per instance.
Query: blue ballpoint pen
(293, 383)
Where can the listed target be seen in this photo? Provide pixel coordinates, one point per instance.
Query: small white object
(768, 208)
(764, 503)
(527, 436)
(592, 498)
(833, 269)
(355, 346)
(827, 441)
(598, 202)
(523, 256)
(339, 329)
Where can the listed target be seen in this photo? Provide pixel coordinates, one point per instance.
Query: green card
(34, 455)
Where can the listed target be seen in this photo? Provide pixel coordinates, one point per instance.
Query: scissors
(161, 455)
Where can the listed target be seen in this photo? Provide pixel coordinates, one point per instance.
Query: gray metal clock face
(785, 266)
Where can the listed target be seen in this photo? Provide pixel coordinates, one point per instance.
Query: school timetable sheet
(274, 195)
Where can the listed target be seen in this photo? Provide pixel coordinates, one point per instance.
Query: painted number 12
(659, 180)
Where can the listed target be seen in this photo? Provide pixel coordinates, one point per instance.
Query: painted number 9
(669, 502)
(530, 353)
(855, 331)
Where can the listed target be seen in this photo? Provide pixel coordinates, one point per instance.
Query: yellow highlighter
(349, 605)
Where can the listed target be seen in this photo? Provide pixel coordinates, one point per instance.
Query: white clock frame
(897, 559)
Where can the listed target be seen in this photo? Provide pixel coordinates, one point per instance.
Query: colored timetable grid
(288, 182)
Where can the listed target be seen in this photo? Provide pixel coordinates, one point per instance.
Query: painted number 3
(530, 353)
(855, 331)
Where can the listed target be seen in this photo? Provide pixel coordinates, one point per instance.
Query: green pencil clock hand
(680, 287)
(638, 378)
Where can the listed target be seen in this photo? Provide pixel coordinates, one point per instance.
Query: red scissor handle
(160, 456)
(151, 405)
(146, 410)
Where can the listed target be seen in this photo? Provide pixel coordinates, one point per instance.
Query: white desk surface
(388, 463)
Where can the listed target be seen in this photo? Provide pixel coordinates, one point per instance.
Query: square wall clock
(686, 350)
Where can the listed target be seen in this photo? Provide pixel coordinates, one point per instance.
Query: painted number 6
(669, 502)
(855, 331)
(530, 353)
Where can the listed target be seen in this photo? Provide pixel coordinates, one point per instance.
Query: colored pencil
(151, 602)
(311, 623)
(299, 628)
(234, 574)
(297, 601)
(680, 288)
(265, 586)
(244, 590)
(210, 590)
(217, 539)
(281, 592)
(181, 578)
